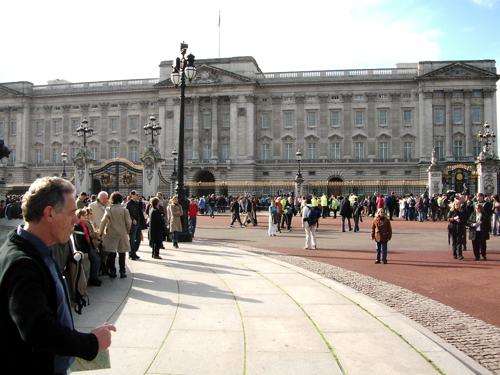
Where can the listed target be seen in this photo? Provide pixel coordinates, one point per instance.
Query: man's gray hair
(45, 191)
(102, 194)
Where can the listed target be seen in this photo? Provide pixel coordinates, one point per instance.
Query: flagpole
(219, 33)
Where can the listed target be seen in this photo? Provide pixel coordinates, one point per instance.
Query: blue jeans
(382, 248)
(135, 239)
(496, 223)
(192, 224)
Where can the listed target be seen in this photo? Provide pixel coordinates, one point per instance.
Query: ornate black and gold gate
(459, 177)
(117, 175)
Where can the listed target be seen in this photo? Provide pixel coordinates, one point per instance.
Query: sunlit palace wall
(246, 125)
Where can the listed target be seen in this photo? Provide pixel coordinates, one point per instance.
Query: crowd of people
(65, 234)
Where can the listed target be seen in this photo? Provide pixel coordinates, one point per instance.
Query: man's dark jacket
(30, 334)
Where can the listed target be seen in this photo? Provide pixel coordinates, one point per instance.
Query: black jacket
(30, 334)
(345, 208)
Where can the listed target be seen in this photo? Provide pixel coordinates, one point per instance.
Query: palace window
(457, 116)
(312, 119)
(56, 154)
(288, 151)
(382, 117)
(359, 118)
(476, 115)
(265, 120)
(206, 150)
(438, 116)
(133, 153)
(476, 148)
(311, 151)
(39, 127)
(75, 124)
(407, 117)
(458, 149)
(56, 126)
(335, 150)
(133, 124)
(206, 120)
(359, 150)
(383, 150)
(335, 118)
(224, 151)
(38, 156)
(288, 119)
(439, 146)
(93, 152)
(113, 124)
(113, 151)
(407, 151)
(1, 129)
(226, 120)
(265, 151)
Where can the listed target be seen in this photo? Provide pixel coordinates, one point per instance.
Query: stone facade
(243, 124)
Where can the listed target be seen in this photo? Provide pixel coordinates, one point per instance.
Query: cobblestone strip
(476, 338)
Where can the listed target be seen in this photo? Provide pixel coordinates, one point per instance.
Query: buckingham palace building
(243, 126)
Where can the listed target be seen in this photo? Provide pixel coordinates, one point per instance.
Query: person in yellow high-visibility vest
(335, 206)
(325, 211)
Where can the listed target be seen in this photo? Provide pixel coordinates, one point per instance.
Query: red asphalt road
(419, 259)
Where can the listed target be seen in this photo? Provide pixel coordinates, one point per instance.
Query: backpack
(77, 282)
(313, 217)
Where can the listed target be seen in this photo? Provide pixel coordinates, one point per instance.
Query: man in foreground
(38, 335)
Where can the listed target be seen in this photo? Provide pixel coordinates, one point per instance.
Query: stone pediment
(8, 92)
(210, 75)
(459, 70)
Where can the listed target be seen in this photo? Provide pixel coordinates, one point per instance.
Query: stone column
(435, 176)
(448, 140)
(324, 127)
(425, 125)
(174, 131)
(103, 134)
(19, 137)
(276, 128)
(250, 137)
(347, 125)
(215, 129)
(46, 134)
(233, 130)
(162, 139)
(66, 127)
(467, 125)
(25, 142)
(143, 120)
(300, 123)
(123, 125)
(371, 124)
(196, 128)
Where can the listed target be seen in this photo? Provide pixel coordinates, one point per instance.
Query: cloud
(485, 3)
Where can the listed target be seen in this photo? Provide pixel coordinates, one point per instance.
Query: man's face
(104, 199)
(480, 198)
(62, 222)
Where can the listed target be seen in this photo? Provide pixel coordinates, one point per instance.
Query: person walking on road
(478, 232)
(192, 215)
(157, 228)
(235, 210)
(381, 234)
(346, 213)
(457, 218)
(175, 213)
(310, 217)
(114, 229)
(273, 219)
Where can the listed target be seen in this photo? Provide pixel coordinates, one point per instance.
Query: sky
(96, 40)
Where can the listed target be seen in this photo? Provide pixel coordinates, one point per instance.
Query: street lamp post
(64, 158)
(487, 163)
(182, 69)
(173, 177)
(84, 130)
(153, 129)
(298, 178)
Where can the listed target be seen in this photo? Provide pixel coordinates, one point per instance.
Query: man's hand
(103, 334)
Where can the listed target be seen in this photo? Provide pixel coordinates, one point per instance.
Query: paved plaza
(214, 309)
